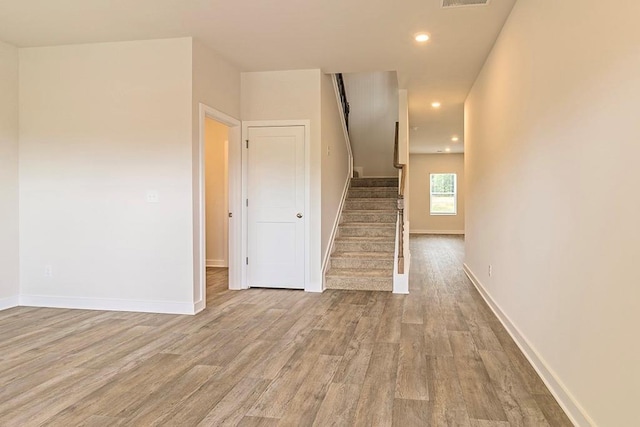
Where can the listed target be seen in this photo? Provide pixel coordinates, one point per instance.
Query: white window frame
(455, 195)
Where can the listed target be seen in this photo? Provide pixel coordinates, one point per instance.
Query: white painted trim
(567, 401)
(308, 285)
(234, 255)
(109, 304)
(334, 232)
(437, 232)
(216, 263)
(199, 306)
(234, 201)
(9, 302)
(400, 281)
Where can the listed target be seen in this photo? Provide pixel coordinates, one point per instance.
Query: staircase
(363, 249)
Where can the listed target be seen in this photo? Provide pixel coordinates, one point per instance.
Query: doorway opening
(216, 197)
(217, 191)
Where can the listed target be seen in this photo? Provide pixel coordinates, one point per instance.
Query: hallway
(276, 357)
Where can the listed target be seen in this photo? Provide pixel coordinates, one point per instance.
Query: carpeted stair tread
(359, 272)
(366, 239)
(363, 249)
(374, 182)
(366, 255)
(370, 211)
(370, 224)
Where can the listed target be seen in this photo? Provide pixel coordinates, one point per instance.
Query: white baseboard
(216, 263)
(334, 231)
(567, 401)
(436, 231)
(199, 306)
(108, 304)
(401, 281)
(9, 302)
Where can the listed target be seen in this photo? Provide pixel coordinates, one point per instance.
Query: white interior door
(275, 211)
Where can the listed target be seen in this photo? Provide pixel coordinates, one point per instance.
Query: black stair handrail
(343, 98)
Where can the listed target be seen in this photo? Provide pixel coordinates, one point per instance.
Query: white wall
(373, 101)
(217, 208)
(335, 160)
(216, 82)
(101, 125)
(422, 165)
(552, 196)
(293, 95)
(9, 269)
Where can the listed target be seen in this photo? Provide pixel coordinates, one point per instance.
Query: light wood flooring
(437, 357)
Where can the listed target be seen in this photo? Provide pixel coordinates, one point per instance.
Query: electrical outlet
(48, 271)
(328, 150)
(490, 270)
(153, 196)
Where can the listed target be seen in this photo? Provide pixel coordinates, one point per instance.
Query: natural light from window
(443, 194)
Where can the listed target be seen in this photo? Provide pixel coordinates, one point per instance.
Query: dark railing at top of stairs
(343, 98)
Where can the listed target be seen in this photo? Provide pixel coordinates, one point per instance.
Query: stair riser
(382, 204)
(369, 264)
(372, 193)
(378, 217)
(346, 231)
(374, 182)
(360, 283)
(341, 246)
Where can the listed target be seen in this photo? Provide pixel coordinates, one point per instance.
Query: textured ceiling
(333, 35)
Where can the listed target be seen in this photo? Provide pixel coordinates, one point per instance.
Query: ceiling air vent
(461, 3)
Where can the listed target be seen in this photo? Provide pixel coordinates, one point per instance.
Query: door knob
(299, 215)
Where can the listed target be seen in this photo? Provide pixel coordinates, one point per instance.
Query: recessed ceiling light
(455, 139)
(447, 149)
(436, 104)
(422, 37)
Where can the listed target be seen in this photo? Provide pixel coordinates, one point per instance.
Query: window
(443, 194)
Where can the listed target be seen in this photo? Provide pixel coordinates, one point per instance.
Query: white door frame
(307, 192)
(235, 203)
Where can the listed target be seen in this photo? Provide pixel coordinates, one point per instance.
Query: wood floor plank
(276, 399)
(436, 335)
(258, 422)
(375, 406)
(408, 412)
(354, 365)
(413, 310)
(161, 404)
(448, 406)
(102, 421)
(479, 394)
(391, 320)
(338, 407)
(232, 408)
(552, 411)
(520, 407)
(304, 406)
(488, 423)
(411, 381)
(435, 357)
